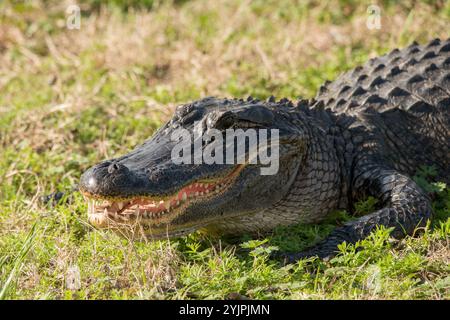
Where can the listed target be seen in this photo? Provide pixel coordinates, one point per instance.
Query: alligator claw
(52, 198)
(289, 258)
(57, 197)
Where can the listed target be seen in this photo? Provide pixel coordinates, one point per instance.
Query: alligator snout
(112, 179)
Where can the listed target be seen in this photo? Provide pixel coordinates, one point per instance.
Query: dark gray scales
(394, 115)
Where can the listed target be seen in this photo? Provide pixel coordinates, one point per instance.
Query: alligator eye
(225, 121)
(230, 121)
(187, 114)
(257, 114)
(255, 117)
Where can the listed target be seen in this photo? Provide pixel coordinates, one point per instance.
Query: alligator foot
(406, 208)
(57, 197)
(321, 253)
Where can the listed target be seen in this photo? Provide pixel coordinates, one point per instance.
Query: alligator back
(403, 98)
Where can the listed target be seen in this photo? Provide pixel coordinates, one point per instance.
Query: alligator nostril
(113, 167)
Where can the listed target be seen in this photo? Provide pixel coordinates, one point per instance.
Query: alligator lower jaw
(151, 212)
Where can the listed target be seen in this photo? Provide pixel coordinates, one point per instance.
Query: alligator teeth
(128, 210)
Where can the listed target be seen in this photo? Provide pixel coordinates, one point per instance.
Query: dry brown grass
(170, 41)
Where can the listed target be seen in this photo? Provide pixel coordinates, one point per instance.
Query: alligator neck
(316, 186)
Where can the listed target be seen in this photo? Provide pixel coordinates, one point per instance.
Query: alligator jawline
(102, 212)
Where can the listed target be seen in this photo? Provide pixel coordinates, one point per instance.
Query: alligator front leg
(405, 207)
(57, 196)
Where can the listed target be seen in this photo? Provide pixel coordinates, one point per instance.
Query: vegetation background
(72, 97)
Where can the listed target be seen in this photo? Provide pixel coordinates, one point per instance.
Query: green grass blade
(18, 263)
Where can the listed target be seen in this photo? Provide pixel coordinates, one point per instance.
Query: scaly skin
(364, 134)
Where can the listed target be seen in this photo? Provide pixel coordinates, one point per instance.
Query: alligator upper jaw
(154, 212)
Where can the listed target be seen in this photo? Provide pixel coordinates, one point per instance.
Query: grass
(70, 98)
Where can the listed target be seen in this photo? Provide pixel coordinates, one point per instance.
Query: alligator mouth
(154, 211)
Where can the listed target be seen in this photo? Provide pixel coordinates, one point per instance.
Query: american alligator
(364, 134)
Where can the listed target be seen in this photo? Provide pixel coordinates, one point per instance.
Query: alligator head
(146, 191)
